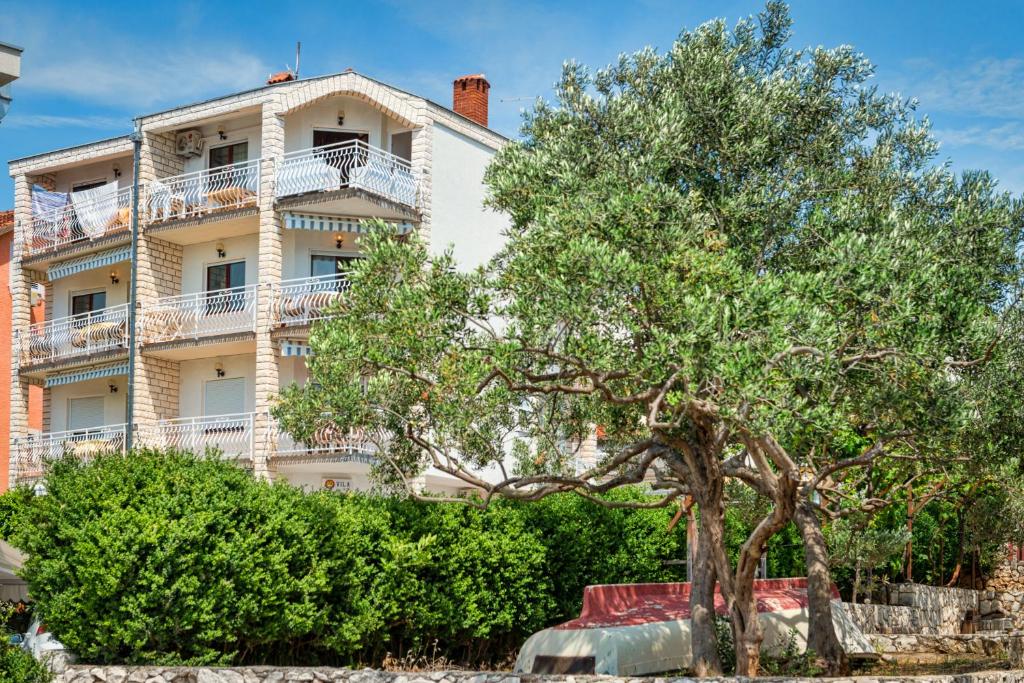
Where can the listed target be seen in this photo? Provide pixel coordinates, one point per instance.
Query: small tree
(736, 257)
(858, 545)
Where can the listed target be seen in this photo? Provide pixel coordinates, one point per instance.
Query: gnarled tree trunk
(703, 638)
(821, 632)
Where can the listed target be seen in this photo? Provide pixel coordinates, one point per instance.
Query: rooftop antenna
(298, 53)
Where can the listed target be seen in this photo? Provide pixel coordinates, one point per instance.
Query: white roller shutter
(85, 413)
(225, 396)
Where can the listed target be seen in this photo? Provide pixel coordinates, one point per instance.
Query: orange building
(35, 394)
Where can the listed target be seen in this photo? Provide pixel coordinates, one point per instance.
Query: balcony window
(401, 145)
(88, 302)
(225, 276)
(341, 156)
(85, 413)
(330, 264)
(224, 396)
(229, 154)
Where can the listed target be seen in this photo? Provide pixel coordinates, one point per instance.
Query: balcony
(86, 217)
(77, 335)
(32, 453)
(232, 435)
(303, 300)
(201, 314)
(352, 164)
(203, 193)
(327, 443)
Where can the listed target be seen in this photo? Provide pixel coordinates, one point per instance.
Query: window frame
(74, 294)
(211, 149)
(84, 430)
(226, 263)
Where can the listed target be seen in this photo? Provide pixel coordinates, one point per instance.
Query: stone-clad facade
(193, 220)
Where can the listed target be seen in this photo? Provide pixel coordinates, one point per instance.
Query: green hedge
(169, 558)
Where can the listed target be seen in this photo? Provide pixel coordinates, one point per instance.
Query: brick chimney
(469, 97)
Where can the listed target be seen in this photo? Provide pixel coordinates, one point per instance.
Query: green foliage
(19, 666)
(171, 558)
(12, 503)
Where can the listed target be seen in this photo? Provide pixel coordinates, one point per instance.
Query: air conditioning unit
(189, 143)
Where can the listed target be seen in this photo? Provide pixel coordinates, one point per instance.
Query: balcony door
(340, 156)
(88, 302)
(223, 287)
(224, 396)
(85, 413)
(330, 264)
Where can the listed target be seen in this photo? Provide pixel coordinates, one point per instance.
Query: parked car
(44, 647)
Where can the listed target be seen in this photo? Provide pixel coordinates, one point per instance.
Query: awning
(89, 261)
(12, 587)
(111, 370)
(294, 347)
(307, 221)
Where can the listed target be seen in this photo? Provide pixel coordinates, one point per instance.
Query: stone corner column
(271, 260)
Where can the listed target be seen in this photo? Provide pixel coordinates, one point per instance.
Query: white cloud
(73, 54)
(1006, 136)
(985, 87)
(157, 78)
(20, 120)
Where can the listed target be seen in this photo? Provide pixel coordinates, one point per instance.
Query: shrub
(169, 558)
(18, 666)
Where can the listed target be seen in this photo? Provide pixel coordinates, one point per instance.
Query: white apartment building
(249, 207)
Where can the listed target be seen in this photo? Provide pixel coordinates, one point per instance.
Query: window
(229, 154)
(86, 303)
(322, 138)
(401, 145)
(81, 187)
(85, 413)
(225, 276)
(345, 158)
(224, 396)
(328, 264)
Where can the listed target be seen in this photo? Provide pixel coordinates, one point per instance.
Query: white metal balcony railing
(86, 216)
(200, 314)
(76, 335)
(233, 434)
(201, 192)
(327, 442)
(303, 300)
(33, 452)
(354, 164)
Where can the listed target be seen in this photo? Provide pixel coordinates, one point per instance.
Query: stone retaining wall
(943, 609)
(115, 674)
(896, 619)
(1004, 592)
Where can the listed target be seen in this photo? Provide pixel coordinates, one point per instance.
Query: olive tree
(738, 258)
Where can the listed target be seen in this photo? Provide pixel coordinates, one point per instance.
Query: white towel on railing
(48, 205)
(96, 208)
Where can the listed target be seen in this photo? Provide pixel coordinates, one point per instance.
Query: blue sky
(88, 69)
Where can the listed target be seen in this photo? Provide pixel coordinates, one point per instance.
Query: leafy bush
(170, 558)
(18, 666)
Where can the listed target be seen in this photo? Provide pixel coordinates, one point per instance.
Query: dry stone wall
(1004, 593)
(895, 619)
(82, 674)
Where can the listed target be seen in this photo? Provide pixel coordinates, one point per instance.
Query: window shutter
(85, 413)
(225, 396)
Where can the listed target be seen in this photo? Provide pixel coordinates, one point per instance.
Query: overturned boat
(644, 628)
